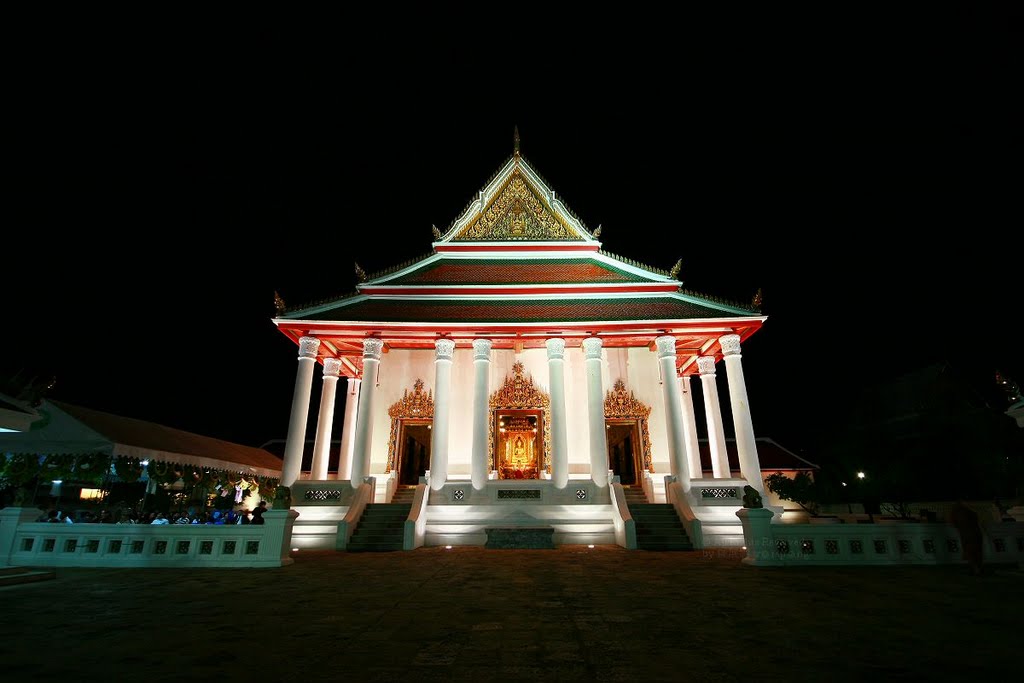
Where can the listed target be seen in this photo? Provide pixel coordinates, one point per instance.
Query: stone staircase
(634, 496)
(404, 495)
(658, 527)
(381, 528)
(12, 576)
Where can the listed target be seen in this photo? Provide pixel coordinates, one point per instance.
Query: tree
(801, 489)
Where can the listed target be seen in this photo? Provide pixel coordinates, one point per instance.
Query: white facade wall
(400, 368)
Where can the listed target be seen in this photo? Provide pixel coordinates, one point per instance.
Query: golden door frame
(519, 393)
(621, 406)
(418, 405)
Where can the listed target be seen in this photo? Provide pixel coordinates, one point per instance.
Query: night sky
(863, 169)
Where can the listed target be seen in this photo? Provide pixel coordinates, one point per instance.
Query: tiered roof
(517, 259)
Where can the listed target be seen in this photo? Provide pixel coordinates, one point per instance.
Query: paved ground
(482, 615)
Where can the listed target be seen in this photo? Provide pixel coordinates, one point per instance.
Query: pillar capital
(444, 349)
(556, 348)
(730, 344)
(372, 348)
(592, 348)
(482, 349)
(706, 365)
(332, 368)
(666, 346)
(308, 347)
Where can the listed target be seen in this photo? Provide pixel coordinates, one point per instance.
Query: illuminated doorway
(629, 441)
(413, 451)
(623, 454)
(409, 445)
(520, 428)
(519, 435)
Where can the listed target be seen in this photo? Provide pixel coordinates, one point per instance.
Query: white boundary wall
(27, 543)
(896, 543)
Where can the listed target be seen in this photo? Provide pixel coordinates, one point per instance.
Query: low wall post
(757, 535)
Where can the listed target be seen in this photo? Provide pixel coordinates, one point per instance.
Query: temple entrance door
(518, 443)
(623, 451)
(413, 451)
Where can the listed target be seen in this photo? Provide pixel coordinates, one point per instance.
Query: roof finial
(279, 305)
(360, 273)
(755, 303)
(674, 273)
(437, 233)
(597, 233)
(515, 141)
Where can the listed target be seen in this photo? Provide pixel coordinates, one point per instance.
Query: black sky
(861, 166)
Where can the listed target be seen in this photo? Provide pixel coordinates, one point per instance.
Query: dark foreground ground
(480, 615)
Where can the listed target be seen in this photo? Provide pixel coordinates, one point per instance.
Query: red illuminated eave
(693, 337)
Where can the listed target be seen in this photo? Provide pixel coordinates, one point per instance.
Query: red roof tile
(515, 271)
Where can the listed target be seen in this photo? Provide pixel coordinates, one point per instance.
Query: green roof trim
(387, 310)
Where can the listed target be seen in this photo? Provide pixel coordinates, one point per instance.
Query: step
(374, 548)
(13, 576)
(664, 546)
(372, 538)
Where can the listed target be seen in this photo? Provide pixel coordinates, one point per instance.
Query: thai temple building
(521, 378)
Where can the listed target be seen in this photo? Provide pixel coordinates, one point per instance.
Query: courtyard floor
(470, 614)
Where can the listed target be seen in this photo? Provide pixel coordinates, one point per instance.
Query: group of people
(192, 516)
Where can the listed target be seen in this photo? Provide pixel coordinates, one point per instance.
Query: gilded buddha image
(517, 447)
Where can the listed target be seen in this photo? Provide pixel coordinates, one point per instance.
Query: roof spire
(755, 303)
(674, 273)
(515, 141)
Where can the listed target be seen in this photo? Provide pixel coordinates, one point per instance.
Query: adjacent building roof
(771, 455)
(65, 428)
(15, 415)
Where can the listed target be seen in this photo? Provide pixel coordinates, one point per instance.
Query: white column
(559, 441)
(296, 442)
(746, 447)
(444, 348)
(325, 421)
(595, 409)
(348, 429)
(481, 399)
(716, 432)
(364, 415)
(673, 410)
(690, 429)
